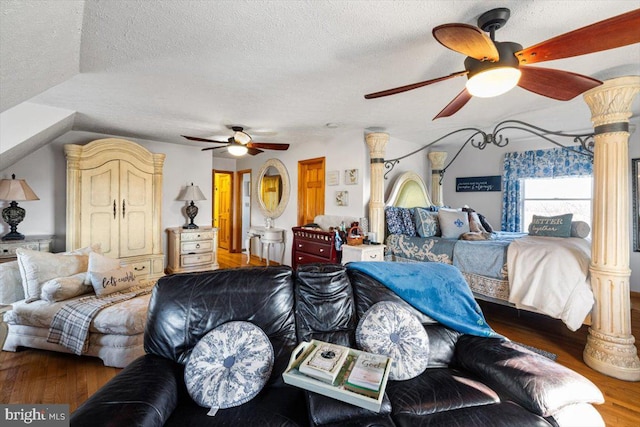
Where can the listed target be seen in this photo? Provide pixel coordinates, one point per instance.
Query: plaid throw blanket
(70, 325)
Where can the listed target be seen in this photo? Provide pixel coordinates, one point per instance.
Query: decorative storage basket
(355, 236)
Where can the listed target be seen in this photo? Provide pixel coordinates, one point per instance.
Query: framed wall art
(333, 177)
(351, 176)
(342, 198)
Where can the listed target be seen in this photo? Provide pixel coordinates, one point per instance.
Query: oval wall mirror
(272, 188)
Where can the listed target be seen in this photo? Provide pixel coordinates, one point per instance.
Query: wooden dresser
(192, 249)
(313, 245)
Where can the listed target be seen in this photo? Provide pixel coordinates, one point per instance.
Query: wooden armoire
(114, 197)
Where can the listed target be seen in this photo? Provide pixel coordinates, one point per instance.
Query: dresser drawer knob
(139, 268)
(374, 256)
(321, 250)
(198, 246)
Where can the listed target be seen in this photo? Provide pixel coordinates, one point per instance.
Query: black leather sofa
(471, 381)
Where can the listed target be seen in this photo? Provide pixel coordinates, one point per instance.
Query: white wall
(45, 172)
(474, 162)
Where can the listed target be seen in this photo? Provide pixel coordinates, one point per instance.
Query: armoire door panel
(136, 190)
(99, 208)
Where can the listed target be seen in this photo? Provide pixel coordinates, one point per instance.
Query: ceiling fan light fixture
(241, 138)
(493, 82)
(237, 149)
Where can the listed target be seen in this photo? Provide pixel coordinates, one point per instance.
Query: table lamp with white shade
(191, 193)
(15, 190)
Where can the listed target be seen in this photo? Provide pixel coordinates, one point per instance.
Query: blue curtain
(550, 163)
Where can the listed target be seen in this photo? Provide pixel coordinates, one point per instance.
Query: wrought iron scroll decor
(480, 139)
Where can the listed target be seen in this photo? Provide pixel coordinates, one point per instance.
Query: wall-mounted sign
(479, 183)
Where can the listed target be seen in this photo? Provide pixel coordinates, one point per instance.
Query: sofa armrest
(145, 393)
(535, 382)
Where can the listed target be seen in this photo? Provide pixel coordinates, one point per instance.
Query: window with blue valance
(548, 163)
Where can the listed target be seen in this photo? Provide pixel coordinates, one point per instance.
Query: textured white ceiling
(158, 69)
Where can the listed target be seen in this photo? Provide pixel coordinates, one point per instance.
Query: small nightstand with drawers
(362, 253)
(192, 249)
(35, 243)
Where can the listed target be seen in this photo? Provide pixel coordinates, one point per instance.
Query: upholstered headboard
(409, 191)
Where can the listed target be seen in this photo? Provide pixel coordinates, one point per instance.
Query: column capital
(611, 101)
(377, 142)
(437, 159)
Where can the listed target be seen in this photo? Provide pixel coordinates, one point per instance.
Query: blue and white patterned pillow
(229, 366)
(453, 223)
(400, 221)
(426, 222)
(388, 328)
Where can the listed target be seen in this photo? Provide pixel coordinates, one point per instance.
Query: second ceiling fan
(240, 143)
(494, 68)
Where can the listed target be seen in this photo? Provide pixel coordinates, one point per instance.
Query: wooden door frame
(232, 204)
(301, 188)
(237, 236)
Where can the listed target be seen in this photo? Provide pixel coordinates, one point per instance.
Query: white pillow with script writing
(108, 282)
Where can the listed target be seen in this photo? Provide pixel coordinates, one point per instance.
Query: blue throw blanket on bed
(437, 290)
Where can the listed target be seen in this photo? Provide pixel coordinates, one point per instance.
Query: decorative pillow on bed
(580, 229)
(400, 221)
(36, 268)
(99, 263)
(551, 226)
(229, 366)
(64, 288)
(453, 223)
(388, 328)
(108, 282)
(426, 222)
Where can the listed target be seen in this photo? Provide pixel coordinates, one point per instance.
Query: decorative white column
(610, 345)
(437, 159)
(377, 143)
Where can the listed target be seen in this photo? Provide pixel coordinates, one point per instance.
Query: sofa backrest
(185, 307)
(325, 308)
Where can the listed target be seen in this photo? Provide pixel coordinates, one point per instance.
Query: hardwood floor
(38, 376)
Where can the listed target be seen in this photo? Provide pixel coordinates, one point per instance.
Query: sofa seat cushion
(229, 366)
(436, 390)
(505, 414)
(282, 406)
(326, 411)
(125, 318)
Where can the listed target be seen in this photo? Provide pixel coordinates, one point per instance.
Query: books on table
(367, 374)
(325, 361)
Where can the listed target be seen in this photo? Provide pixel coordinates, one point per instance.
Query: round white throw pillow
(229, 366)
(388, 328)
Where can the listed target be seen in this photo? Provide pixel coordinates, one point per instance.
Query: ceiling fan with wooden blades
(494, 68)
(240, 143)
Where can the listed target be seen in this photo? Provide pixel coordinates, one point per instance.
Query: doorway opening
(310, 189)
(243, 209)
(222, 207)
